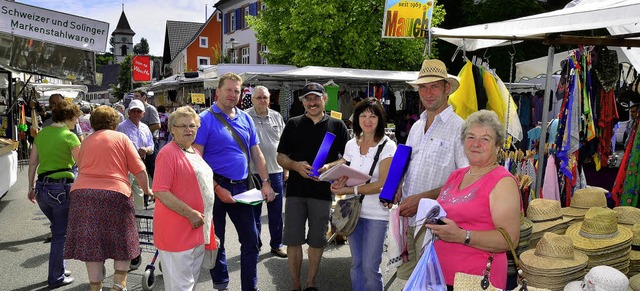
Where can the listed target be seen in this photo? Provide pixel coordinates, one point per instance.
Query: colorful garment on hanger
(618, 186)
(550, 189)
(631, 185)
(514, 128)
(464, 99)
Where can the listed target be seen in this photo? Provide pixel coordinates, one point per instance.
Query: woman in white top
(366, 241)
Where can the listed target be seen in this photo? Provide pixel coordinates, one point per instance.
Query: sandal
(312, 288)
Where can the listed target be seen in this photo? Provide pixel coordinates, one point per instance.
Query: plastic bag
(427, 276)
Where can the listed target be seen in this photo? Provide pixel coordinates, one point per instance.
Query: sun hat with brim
(435, 70)
(545, 214)
(599, 231)
(601, 278)
(554, 252)
(634, 255)
(634, 283)
(553, 282)
(628, 215)
(583, 199)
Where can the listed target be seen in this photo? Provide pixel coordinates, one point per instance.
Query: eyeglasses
(190, 126)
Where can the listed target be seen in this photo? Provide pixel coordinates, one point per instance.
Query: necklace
(486, 170)
(189, 150)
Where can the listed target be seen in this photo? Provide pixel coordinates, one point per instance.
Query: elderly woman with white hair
(478, 200)
(183, 217)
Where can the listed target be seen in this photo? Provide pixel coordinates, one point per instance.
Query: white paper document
(355, 177)
(252, 197)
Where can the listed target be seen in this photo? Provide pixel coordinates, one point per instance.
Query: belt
(227, 180)
(51, 180)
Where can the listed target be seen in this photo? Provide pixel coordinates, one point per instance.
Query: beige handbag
(463, 281)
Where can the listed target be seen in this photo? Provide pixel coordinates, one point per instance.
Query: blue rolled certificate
(323, 152)
(397, 169)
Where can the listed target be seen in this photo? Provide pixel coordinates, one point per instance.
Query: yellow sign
(336, 114)
(197, 98)
(407, 19)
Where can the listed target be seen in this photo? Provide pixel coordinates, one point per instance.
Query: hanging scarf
(631, 185)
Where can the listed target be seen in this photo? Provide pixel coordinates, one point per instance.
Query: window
(204, 61)
(245, 55)
(232, 22)
(204, 42)
(232, 56)
(245, 14)
(263, 6)
(262, 51)
(124, 50)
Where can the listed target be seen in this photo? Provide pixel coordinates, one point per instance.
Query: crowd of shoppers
(209, 158)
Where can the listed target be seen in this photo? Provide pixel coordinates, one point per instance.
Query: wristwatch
(266, 180)
(467, 238)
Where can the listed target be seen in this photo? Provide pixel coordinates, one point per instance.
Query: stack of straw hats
(634, 256)
(582, 200)
(627, 215)
(601, 278)
(634, 283)
(553, 263)
(601, 239)
(526, 227)
(546, 216)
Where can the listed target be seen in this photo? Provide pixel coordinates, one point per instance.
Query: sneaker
(279, 253)
(64, 282)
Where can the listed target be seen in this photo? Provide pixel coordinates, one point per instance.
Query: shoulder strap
(375, 159)
(233, 133)
(47, 173)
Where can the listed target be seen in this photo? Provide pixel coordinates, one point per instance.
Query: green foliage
(112, 42)
(104, 59)
(141, 48)
(125, 83)
(335, 33)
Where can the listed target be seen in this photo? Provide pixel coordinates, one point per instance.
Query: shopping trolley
(144, 223)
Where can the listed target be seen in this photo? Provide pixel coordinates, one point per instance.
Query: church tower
(122, 39)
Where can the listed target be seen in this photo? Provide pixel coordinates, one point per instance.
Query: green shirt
(54, 146)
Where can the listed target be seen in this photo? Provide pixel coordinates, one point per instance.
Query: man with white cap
(436, 150)
(142, 139)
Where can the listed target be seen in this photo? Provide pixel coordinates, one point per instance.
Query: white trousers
(181, 270)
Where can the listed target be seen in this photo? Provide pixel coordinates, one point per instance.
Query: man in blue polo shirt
(230, 166)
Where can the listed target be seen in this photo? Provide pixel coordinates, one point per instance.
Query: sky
(147, 18)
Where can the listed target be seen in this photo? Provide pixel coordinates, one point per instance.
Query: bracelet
(467, 238)
(214, 187)
(355, 190)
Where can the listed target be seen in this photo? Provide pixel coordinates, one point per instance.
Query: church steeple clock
(122, 38)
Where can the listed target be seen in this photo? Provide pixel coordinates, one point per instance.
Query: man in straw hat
(436, 150)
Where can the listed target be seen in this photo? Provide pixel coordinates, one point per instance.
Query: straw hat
(545, 214)
(628, 215)
(601, 278)
(583, 199)
(634, 283)
(598, 231)
(554, 252)
(635, 243)
(435, 70)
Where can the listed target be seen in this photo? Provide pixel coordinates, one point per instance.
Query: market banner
(53, 26)
(141, 68)
(197, 98)
(407, 19)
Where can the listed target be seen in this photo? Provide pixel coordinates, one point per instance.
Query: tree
(112, 42)
(335, 33)
(104, 59)
(141, 48)
(125, 83)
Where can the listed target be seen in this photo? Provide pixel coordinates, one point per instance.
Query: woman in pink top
(478, 200)
(183, 218)
(101, 216)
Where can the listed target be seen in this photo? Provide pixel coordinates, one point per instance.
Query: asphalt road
(24, 255)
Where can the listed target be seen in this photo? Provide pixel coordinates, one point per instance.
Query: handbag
(347, 212)
(250, 177)
(463, 281)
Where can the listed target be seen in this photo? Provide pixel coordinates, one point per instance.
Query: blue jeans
(366, 243)
(274, 209)
(242, 217)
(53, 199)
